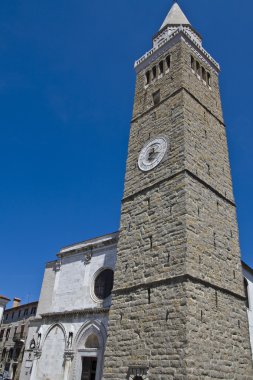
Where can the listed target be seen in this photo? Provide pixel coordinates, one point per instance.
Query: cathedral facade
(68, 336)
(178, 302)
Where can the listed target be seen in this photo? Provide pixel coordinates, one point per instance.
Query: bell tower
(178, 309)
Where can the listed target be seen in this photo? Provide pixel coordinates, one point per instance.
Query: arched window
(10, 355)
(154, 72)
(147, 77)
(103, 284)
(92, 341)
(161, 67)
(17, 353)
(4, 354)
(246, 292)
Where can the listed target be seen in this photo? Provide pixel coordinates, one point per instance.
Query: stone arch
(91, 327)
(44, 336)
(92, 341)
(51, 363)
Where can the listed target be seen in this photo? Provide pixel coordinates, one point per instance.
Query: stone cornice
(172, 176)
(177, 280)
(88, 245)
(161, 31)
(169, 41)
(76, 312)
(139, 116)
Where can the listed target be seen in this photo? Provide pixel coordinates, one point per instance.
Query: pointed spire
(175, 17)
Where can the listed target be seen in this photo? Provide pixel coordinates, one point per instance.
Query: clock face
(152, 153)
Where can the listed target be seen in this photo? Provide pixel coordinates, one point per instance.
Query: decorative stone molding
(87, 257)
(74, 313)
(157, 50)
(93, 244)
(70, 340)
(137, 371)
(37, 354)
(57, 265)
(69, 355)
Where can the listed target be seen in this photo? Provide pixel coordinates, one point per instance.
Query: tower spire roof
(175, 17)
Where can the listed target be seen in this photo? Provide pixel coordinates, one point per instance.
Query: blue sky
(66, 96)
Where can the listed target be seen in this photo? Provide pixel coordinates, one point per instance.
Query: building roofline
(21, 306)
(174, 37)
(4, 298)
(177, 25)
(247, 267)
(86, 244)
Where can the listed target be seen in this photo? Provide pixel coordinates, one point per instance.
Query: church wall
(148, 333)
(152, 247)
(207, 95)
(69, 313)
(155, 123)
(249, 276)
(46, 294)
(206, 150)
(75, 279)
(217, 335)
(28, 357)
(213, 252)
(167, 83)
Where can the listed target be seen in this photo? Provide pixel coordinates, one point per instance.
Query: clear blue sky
(66, 95)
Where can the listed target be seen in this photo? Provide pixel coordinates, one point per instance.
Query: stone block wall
(213, 252)
(178, 302)
(148, 330)
(166, 120)
(218, 345)
(152, 245)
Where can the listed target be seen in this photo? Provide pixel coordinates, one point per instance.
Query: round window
(103, 284)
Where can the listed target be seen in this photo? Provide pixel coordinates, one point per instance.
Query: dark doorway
(14, 369)
(89, 366)
(138, 378)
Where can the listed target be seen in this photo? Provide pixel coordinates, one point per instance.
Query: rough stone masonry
(178, 302)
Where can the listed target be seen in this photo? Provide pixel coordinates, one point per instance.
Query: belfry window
(161, 67)
(198, 68)
(203, 74)
(104, 284)
(147, 75)
(208, 76)
(192, 63)
(154, 72)
(168, 62)
(156, 97)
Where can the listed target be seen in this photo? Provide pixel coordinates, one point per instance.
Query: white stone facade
(248, 276)
(71, 321)
(3, 303)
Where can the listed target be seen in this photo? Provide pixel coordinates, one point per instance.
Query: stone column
(68, 357)
(37, 355)
(3, 303)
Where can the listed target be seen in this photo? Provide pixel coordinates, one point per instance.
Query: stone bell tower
(178, 307)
